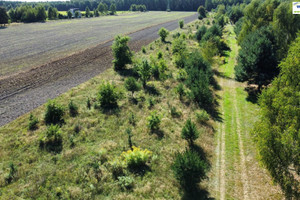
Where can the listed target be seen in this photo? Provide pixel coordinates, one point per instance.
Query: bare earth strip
(23, 92)
(23, 46)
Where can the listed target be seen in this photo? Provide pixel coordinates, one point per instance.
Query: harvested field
(29, 45)
(22, 92)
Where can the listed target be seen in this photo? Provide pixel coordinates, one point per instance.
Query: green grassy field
(101, 139)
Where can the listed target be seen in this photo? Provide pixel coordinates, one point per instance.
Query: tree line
(123, 5)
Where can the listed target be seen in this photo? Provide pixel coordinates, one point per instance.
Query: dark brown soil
(20, 93)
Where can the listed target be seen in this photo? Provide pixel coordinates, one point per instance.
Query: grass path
(237, 173)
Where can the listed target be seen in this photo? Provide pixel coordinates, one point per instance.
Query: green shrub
(189, 132)
(179, 45)
(125, 182)
(179, 60)
(189, 169)
(51, 140)
(176, 35)
(202, 116)
(73, 109)
(159, 55)
(151, 102)
(108, 96)
(121, 52)
(136, 158)
(54, 113)
(11, 174)
(132, 119)
(144, 50)
(153, 121)
(182, 75)
(163, 33)
(132, 85)
(181, 23)
(180, 90)
(201, 32)
(33, 121)
(174, 112)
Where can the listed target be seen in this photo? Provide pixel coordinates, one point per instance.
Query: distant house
(73, 11)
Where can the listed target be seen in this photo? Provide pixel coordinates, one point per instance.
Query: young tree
(101, 7)
(145, 72)
(277, 132)
(40, 13)
(108, 96)
(201, 11)
(69, 14)
(121, 52)
(77, 14)
(105, 8)
(189, 132)
(189, 169)
(181, 23)
(201, 32)
(52, 13)
(257, 62)
(113, 9)
(163, 33)
(132, 85)
(87, 12)
(12, 15)
(96, 13)
(3, 16)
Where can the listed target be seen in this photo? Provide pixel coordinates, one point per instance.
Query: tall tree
(101, 7)
(113, 9)
(277, 134)
(257, 62)
(40, 13)
(3, 16)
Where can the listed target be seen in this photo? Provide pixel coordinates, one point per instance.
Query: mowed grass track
(237, 173)
(28, 45)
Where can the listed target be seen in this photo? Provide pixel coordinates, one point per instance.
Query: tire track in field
(244, 175)
(220, 151)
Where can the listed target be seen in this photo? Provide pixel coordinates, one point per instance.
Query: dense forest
(175, 5)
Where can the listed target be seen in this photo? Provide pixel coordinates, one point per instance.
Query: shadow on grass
(159, 133)
(141, 170)
(133, 100)
(221, 74)
(3, 27)
(214, 112)
(197, 194)
(253, 94)
(215, 84)
(111, 111)
(128, 73)
(152, 90)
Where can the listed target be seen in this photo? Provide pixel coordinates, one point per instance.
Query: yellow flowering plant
(136, 157)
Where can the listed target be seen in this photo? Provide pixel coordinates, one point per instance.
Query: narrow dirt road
(23, 92)
(237, 173)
